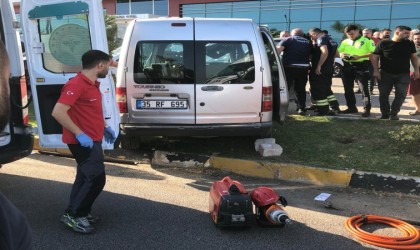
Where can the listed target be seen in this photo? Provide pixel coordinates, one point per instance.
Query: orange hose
(411, 233)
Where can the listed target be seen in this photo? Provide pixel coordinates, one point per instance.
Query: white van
(199, 77)
(57, 33)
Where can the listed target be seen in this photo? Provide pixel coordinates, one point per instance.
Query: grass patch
(364, 145)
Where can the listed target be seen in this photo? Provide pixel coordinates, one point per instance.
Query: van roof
(167, 19)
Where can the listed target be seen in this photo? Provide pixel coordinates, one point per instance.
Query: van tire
(129, 142)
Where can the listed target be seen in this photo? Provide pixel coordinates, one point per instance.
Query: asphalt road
(164, 208)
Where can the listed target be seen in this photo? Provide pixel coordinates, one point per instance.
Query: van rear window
(225, 62)
(183, 62)
(164, 62)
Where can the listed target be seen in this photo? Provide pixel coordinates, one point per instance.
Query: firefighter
(355, 52)
(321, 72)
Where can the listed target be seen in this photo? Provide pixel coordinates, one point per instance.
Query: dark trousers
(321, 90)
(372, 79)
(90, 178)
(359, 72)
(385, 85)
(297, 78)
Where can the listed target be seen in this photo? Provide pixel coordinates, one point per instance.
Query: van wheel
(129, 142)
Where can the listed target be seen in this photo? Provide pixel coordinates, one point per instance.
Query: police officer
(355, 52)
(296, 51)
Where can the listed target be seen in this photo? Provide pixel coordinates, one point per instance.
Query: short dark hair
(325, 32)
(350, 28)
(402, 27)
(316, 30)
(93, 57)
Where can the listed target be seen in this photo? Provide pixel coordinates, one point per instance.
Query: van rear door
(160, 72)
(280, 92)
(56, 34)
(229, 80)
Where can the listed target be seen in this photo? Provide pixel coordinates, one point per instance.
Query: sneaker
(394, 117)
(350, 111)
(301, 112)
(78, 224)
(384, 117)
(366, 113)
(93, 218)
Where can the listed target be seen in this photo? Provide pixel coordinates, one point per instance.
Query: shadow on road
(130, 222)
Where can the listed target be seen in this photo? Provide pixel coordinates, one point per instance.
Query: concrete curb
(293, 172)
(282, 171)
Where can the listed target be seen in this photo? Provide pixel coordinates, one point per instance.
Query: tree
(111, 32)
(339, 27)
(274, 32)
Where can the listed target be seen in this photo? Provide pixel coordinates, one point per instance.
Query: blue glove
(85, 140)
(109, 135)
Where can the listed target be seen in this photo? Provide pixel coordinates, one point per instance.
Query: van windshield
(176, 62)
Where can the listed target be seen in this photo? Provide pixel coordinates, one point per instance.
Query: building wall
(175, 5)
(110, 6)
(304, 14)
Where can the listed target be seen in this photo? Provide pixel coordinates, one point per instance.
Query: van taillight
(267, 99)
(122, 100)
(24, 100)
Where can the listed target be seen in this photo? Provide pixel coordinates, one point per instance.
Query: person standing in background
(321, 73)
(395, 55)
(414, 87)
(296, 51)
(355, 52)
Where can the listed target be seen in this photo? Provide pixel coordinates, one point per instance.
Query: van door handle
(212, 88)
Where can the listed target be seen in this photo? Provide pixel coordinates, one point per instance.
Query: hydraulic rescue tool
(230, 204)
(268, 212)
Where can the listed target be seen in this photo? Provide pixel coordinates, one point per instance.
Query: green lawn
(364, 145)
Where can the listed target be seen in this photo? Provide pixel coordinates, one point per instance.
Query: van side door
(56, 35)
(280, 91)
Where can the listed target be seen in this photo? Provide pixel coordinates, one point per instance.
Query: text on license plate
(160, 104)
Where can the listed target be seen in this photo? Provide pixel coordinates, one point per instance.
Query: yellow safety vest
(360, 47)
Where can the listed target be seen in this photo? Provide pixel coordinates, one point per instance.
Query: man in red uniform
(79, 111)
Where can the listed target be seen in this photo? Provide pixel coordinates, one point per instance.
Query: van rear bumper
(20, 147)
(248, 129)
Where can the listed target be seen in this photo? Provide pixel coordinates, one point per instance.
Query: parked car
(338, 67)
(199, 77)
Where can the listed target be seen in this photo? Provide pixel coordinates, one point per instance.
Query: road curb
(282, 171)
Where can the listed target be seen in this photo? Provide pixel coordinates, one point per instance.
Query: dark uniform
(356, 70)
(321, 84)
(295, 59)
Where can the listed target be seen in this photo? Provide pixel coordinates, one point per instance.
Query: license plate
(161, 104)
